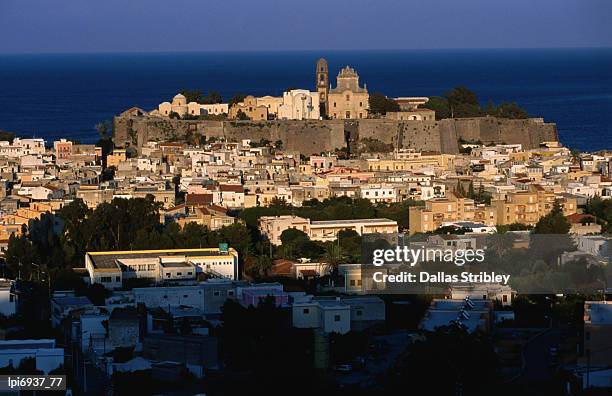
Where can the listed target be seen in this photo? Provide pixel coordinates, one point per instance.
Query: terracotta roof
(198, 199)
(232, 187)
(282, 267)
(578, 217)
(217, 208)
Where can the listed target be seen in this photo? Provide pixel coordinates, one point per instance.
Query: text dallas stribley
(441, 277)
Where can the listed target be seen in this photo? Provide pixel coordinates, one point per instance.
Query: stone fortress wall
(314, 136)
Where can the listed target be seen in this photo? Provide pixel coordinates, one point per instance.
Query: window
(505, 298)
(179, 273)
(306, 311)
(352, 282)
(334, 104)
(118, 279)
(587, 335)
(106, 279)
(167, 274)
(189, 273)
(359, 312)
(348, 114)
(336, 318)
(230, 292)
(216, 293)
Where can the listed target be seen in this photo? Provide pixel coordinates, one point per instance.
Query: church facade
(348, 100)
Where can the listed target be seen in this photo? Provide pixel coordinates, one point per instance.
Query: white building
(112, 268)
(377, 193)
(21, 147)
(170, 296)
(44, 351)
(214, 109)
(337, 314)
(299, 104)
(329, 315)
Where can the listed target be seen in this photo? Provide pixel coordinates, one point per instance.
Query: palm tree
(333, 255)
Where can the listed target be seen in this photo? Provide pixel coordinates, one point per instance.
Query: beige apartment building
(115, 158)
(420, 161)
(93, 196)
(273, 227)
(526, 207)
(348, 100)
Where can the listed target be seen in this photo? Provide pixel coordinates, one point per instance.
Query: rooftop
(356, 221)
(109, 259)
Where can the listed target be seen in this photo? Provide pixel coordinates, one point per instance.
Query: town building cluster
(477, 190)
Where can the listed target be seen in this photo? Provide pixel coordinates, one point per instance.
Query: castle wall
(315, 136)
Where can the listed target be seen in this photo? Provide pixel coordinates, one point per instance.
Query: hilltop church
(348, 100)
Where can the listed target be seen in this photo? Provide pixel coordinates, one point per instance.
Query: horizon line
(212, 51)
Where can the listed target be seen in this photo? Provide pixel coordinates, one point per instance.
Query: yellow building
(250, 108)
(115, 158)
(450, 209)
(348, 100)
(416, 161)
(272, 103)
(527, 207)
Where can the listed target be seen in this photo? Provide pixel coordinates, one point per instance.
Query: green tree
(213, 97)
(19, 256)
(106, 131)
(602, 210)
(380, 104)
(236, 99)
(440, 105)
(554, 222)
(464, 362)
(6, 136)
(261, 267)
(510, 110)
(242, 116)
(333, 254)
(192, 95)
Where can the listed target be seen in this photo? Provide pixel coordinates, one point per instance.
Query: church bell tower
(322, 84)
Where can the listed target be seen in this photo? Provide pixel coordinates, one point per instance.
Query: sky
(59, 26)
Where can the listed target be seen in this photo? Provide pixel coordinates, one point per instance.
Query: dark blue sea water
(51, 96)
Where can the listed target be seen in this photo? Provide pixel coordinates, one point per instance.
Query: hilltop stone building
(251, 108)
(348, 100)
(299, 104)
(180, 106)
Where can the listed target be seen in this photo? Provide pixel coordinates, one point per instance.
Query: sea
(65, 95)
